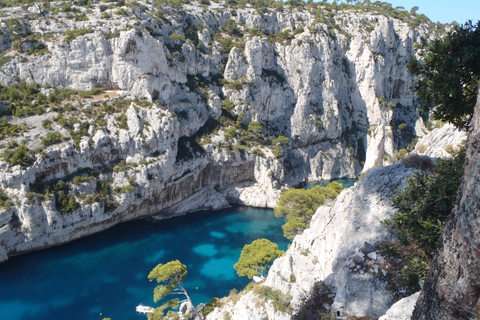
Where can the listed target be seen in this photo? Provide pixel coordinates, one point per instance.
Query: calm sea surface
(105, 275)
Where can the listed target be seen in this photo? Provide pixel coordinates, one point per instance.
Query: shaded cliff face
(451, 288)
(338, 94)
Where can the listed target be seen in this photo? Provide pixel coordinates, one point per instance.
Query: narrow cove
(105, 275)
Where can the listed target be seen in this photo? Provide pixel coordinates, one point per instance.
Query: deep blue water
(105, 275)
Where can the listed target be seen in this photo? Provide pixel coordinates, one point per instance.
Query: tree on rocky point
(170, 277)
(256, 257)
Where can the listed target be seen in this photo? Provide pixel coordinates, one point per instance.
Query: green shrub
(401, 154)
(232, 28)
(19, 156)
(52, 138)
(228, 105)
(177, 38)
(299, 205)
(424, 205)
(72, 34)
(209, 307)
(64, 201)
(228, 43)
(47, 124)
(277, 145)
(122, 121)
(8, 129)
(20, 97)
(77, 135)
(5, 59)
(279, 300)
(123, 189)
(5, 201)
(121, 166)
(122, 12)
(91, 92)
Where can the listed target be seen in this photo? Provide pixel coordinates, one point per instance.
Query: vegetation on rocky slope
(423, 207)
(449, 85)
(170, 277)
(297, 206)
(257, 257)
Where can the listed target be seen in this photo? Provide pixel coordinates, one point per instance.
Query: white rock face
(339, 250)
(339, 98)
(322, 93)
(162, 183)
(440, 141)
(401, 310)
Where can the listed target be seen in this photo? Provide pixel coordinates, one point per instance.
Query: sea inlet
(105, 275)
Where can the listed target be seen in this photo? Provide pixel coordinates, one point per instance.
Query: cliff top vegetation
(449, 73)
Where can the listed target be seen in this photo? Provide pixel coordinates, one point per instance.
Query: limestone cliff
(338, 255)
(451, 288)
(220, 83)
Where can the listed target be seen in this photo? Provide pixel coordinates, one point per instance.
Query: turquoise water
(347, 183)
(105, 275)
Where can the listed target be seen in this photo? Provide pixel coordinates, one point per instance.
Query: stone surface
(338, 99)
(322, 115)
(338, 250)
(440, 141)
(401, 310)
(451, 290)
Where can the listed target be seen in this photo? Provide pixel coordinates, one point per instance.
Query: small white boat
(144, 309)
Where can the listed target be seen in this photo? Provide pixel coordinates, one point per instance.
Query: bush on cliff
(64, 201)
(5, 201)
(19, 156)
(424, 206)
(299, 205)
(52, 138)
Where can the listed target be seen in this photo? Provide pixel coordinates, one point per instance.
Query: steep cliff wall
(337, 89)
(451, 288)
(338, 255)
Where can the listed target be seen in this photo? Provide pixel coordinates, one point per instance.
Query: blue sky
(444, 10)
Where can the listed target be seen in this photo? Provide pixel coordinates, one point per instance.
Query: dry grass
(422, 148)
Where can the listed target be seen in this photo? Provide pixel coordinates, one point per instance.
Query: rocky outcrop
(401, 310)
(340, 95)
(340, 252)
(157, 181)
(451, 288)
(323, 90)
(440, 142)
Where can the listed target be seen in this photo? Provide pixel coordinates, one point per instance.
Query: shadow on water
(105, 275)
